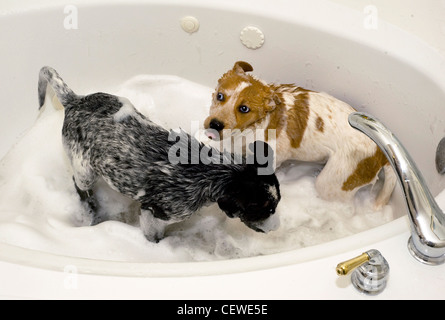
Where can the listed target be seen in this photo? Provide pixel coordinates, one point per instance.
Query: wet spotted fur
(310, 126)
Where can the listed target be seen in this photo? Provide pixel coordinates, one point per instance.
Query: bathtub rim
(22, 256)
(49, 261)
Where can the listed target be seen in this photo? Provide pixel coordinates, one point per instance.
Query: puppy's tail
(50, 76)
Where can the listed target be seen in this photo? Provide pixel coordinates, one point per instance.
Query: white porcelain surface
(383, 71)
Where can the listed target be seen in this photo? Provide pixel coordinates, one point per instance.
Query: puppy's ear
(271, 102)
(228, 205)
(241, 67)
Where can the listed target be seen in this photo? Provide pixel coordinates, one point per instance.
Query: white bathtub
(319, 45)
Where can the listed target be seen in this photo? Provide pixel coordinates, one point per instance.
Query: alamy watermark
(70, 282)
(71, 20)
(371, 20)
(238, 147)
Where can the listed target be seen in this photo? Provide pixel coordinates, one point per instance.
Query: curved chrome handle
(427, 243)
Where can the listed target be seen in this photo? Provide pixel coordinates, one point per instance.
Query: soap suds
(40, 209)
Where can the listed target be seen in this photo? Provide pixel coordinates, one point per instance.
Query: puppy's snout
(216, 125)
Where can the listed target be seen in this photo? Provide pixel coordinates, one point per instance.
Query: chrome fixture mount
(427, 241)
(371, 272)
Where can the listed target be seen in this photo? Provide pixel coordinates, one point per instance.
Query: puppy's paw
(153, 228)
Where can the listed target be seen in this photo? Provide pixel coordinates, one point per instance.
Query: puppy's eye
(220, 96)
(243, 109)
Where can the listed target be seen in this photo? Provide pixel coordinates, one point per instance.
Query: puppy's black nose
(216, 125)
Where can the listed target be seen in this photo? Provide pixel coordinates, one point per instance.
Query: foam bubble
(40, 209)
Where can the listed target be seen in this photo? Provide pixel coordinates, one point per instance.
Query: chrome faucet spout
(427, 241)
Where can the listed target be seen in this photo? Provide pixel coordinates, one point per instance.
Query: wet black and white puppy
(105, 137)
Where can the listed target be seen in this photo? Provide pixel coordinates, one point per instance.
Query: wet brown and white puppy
(169, 173)
(309, 126)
